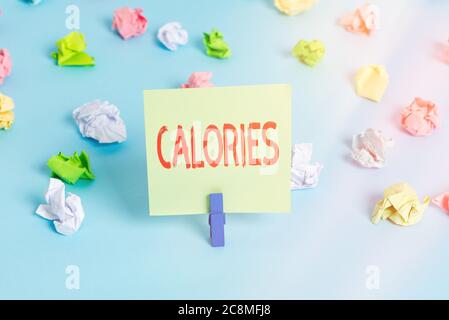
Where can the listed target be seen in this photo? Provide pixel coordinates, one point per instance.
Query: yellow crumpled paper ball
(6, 113)
(400, 205)
(293, 7)
(371, 81)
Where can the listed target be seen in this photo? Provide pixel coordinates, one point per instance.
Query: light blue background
(321, 250)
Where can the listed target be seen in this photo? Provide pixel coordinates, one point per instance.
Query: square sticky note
(230, 140)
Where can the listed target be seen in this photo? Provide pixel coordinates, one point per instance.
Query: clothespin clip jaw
(216, 219)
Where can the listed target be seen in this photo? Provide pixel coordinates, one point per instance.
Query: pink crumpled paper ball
(5, 64)
(420, 118)
(129, 22)
(442, 201)
(365, 20)
(199, 80)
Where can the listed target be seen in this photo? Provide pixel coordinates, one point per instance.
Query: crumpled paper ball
(5, 64)
(71, 51)
(368, 148)
(67, 213)
(309, 52)
(420, 118)
(129, 22)
(400, 205)
(365, 20)
(71, 168)
(371, 82)
(215, 45)
(100, 120)
(304, 174)
(6, 112)
(442, 201)
(293, 7)
(199, 80)
(171, 35)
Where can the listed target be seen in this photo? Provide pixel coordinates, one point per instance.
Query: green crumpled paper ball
(215, 45)
(71, 168)
(309, 52)
(71, 51)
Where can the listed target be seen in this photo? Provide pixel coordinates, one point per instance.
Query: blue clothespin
(216, 219)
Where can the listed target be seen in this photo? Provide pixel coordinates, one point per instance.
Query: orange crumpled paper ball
(365, 20)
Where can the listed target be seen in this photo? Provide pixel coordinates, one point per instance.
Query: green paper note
(215, 45)
(71, 169)
(230, 140)
(71, 51)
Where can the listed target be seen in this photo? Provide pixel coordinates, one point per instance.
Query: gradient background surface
(321, 250)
